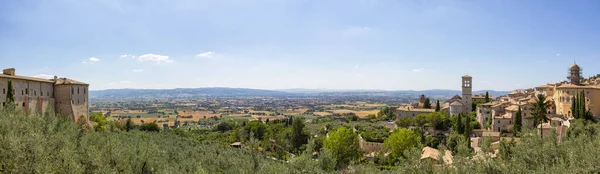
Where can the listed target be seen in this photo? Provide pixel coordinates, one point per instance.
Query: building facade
(63, 96)
(462, 104)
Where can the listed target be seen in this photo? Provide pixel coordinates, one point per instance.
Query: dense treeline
(31, 143)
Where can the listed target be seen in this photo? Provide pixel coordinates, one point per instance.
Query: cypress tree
(10, 96)
(518, 122)
(437, 107)
(574, 107)
(427, 103)
(487, 97)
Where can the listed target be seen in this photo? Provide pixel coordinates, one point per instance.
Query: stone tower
(467, 93)
(575, 74)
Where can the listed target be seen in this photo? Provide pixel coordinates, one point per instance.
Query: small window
(23, 104)
(22, 93)
(41, 93)
(27, 91)
(34, 93)
(84, 90)
(72, 90)
(77, 90)
(4, 91)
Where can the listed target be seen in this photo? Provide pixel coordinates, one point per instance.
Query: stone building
(463, 104)
(64, 96)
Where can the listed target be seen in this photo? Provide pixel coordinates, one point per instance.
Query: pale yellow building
(562, 93)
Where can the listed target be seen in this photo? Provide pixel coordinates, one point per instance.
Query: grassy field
(143, 115)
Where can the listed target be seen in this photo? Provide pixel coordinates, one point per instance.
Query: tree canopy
(401, 140)
(342, 143)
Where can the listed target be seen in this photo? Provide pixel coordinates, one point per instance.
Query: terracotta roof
(467, 76)
(66, 81)
(575, 66)
(456, 97)
(27, 78)
(567, 86)
(434, 154)
(456, 103)
(513, 108)
(505, 116)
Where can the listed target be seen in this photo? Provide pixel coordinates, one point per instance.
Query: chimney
(9, 71)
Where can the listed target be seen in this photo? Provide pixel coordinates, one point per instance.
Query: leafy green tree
(150, 127)
(129, 125)
(437, 106)
(404, 122)
(225, 126)
(387, 113)
(343, 145)
(299, 137)
(256, 128)
(100, 122)
(372, 117)
(518, 122)
(459, 126)
(427, 103)
(401, 140)
(432, 141)
(10, 95)
(540, 109)
(487, 97)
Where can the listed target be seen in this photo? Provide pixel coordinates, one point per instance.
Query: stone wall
(369, 147)
(79, 98)
(28, 94)
(62, 97)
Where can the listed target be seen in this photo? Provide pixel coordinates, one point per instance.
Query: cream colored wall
(563, 107)
(500, 124)
(483, 112)
(62, 97)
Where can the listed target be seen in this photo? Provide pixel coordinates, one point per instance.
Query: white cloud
(137, 70)
(93, 59)
(84, 62)
(206, 54)
(557, 55)
(127, 56)
(418, 70)
(155, 58)
(118, 83)
(44, 76)
(356, 31)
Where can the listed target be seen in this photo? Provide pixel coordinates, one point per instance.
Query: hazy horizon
(271, 44)
(307, 89)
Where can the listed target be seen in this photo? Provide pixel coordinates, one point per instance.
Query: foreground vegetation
(47, 143)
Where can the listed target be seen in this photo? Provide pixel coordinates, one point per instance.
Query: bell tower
(575, 74)
(467, 93)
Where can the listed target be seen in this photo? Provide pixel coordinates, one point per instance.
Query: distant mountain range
(220, 91)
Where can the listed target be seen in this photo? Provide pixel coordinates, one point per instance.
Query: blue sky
(278, 44)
